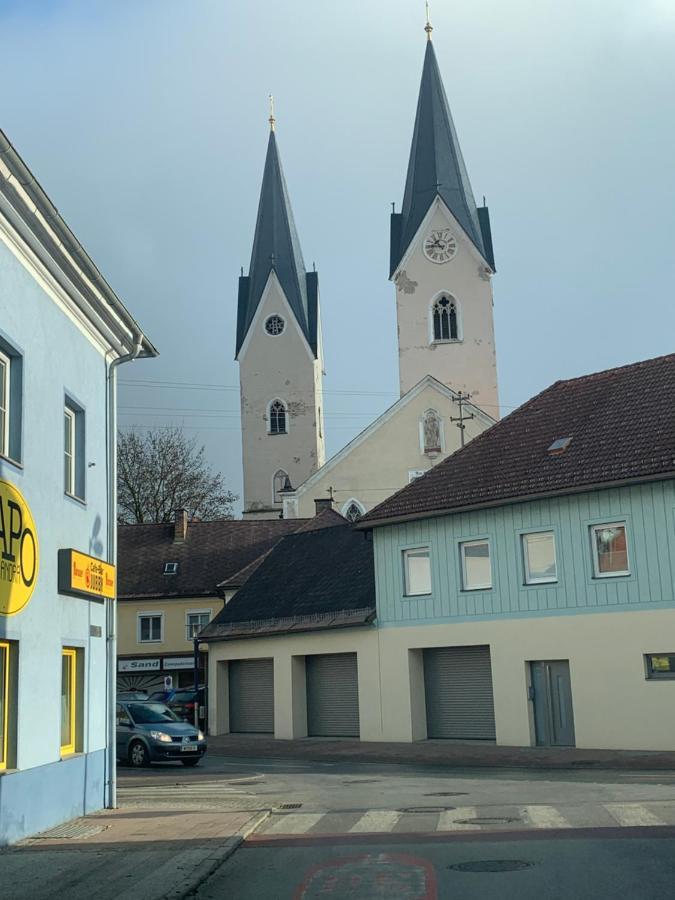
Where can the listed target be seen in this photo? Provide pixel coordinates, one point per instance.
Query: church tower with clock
(442, 260)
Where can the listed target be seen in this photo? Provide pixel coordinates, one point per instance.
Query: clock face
(440, 246)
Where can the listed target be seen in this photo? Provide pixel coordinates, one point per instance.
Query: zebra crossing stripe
(295, 823)
(448, 819)
(544, 817)
(631, 814)
(376, 820)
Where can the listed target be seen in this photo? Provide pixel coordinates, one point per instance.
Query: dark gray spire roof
(276, 246)
(436, 168)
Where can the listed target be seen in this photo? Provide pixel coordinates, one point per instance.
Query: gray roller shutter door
(332, 695)
(459, 699)
(252, 695)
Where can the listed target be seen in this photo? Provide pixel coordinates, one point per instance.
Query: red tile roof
(621, 422)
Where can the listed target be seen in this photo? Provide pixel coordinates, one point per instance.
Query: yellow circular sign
(19, 554)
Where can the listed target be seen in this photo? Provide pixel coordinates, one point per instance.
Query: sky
(146, 123)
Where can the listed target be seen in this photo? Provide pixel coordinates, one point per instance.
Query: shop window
(417, 571)
(610, 550)
(660, 666)
(195, 621)
(11, 381)
(539, 557)
(476, 567)
(150, 628)
(73, 450)
(69, 676)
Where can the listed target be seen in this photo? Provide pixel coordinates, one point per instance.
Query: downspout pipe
(111, 533)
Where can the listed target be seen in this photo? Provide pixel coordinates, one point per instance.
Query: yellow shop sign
(85, 576)
(19, 554)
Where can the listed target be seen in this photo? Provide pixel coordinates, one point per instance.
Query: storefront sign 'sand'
(85, 576)
(19, 553)
(138, 665)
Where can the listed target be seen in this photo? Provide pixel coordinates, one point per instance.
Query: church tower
(279, 354)
(441, 259)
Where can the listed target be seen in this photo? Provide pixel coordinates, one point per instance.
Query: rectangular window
(4, 404)
(476, 567)
(196, 621)
(150, 628)
(417, 571)
(660, 665)
(73, 450)
(4, 703)
(11, 389)
(610, 550)
(68, 699)
(539, 557)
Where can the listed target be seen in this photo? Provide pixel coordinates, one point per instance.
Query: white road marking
(544, 817)
(295, 823)
(376, 820)
(628, 814)
(448, 819)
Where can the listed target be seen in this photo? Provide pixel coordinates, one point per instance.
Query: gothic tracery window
(444, 314)
(353, 512)
(277, 417)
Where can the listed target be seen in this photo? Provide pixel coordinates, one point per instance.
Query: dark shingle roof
(621, 422)
(212, 552)
(436, 168)
(276, 246)
(321, 578)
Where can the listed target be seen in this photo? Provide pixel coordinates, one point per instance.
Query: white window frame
(269, 417)
(70, 487)
(465, 581)
(405, 555)
(150, 614)
(195, 612)
(594, 550)
(357, 503)
(526, 562)
(4, 435)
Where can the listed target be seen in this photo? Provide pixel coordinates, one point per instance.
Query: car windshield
(149, 713)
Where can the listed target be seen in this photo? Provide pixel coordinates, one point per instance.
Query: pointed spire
(276, 247)
(271, 119)
(428, 27)
(436, 167)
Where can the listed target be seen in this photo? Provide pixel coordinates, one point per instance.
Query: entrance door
(552, 695)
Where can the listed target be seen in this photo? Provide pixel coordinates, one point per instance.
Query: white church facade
(441, 266)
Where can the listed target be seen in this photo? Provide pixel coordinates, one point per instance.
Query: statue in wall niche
(432, 432)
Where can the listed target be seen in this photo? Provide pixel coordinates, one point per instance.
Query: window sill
(160, 641)
(448, 341)
(473, 590)
(277, 434)
(70, 755)
(668, 677)
(74, 498)
(8, 771)
(415, 596)
(12, 462)
(603, 575)
(542, 583)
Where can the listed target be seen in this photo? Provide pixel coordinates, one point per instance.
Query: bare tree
(162, 471)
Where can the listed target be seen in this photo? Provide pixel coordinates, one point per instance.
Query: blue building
(63, 334)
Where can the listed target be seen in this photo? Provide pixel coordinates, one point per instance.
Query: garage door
(252, 695)
(332, 695)
(458, 687)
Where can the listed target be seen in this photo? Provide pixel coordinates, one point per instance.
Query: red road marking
(368, 877)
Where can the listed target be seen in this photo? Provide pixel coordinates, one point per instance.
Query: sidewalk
(438, 753)
(125, 854)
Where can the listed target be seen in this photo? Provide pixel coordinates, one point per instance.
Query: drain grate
(425, 809)
(492, 865)
(447, 794)
(289, 806)
(71, 831)
(489, 820)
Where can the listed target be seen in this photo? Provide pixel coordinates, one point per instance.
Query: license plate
(189, 748)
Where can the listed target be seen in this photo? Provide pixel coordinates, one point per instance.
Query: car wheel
(138, 754)
(189, 762)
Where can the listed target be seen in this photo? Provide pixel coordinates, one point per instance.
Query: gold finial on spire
(428, 27)
(271, 119)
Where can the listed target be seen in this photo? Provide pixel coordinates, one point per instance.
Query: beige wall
(615, 706)
(470, 364)
(174, 632)
(278, 367)
(372, 468)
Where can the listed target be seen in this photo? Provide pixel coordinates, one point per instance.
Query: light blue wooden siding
(648, 510)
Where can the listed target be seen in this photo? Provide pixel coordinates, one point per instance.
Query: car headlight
(161, 736)
(200, 735)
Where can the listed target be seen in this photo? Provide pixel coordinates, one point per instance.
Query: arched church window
(445, 319)
(277, 417)
(352, 511)
(431, 431)
(280, 483)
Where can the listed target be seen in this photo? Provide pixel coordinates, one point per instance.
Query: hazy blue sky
(146, 123)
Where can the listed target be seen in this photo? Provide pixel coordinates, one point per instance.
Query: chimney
(321, 503)
(180, 526)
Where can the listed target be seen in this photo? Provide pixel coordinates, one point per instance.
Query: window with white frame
(11, 380)
(195, 620)
(4, 404)
(417, 571)
(73, 450)
(150, 628)
(539, 557)
(476, 566)
(445, 319)
(277, 417)
(353, 511)
(610, 550)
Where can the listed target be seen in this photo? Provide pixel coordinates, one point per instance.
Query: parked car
(151, 732)
(132, 695)
(183, 702)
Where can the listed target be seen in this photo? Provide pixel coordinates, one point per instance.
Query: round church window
(274, 325)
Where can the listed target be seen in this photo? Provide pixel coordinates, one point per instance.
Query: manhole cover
(492, 865)
(447, 794)
(425, 809)
(289, 806)
(71, 831)
(489, 820)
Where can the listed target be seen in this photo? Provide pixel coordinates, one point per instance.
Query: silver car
(151, 732)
